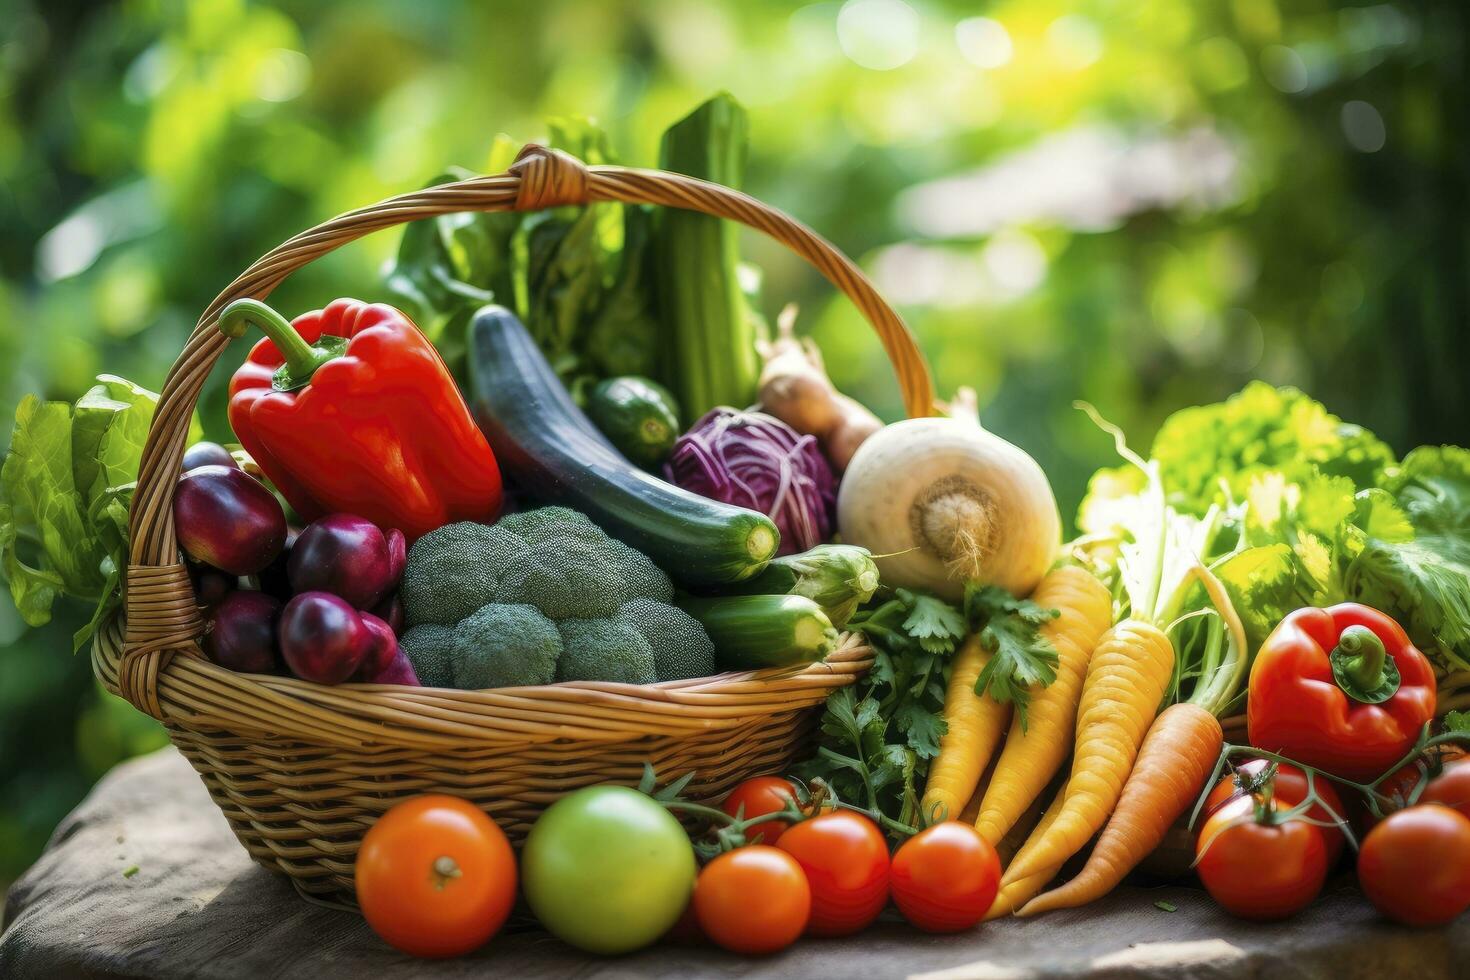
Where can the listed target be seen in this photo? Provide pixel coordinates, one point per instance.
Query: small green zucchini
(837, 577)
(755, 631)
(637, 416)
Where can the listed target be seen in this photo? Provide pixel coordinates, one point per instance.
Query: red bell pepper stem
(302, 359)
(1365, 655)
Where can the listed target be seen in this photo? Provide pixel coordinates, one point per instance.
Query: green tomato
(607, 869)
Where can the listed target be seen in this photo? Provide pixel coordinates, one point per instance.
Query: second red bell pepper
(351, 409)
(1340, 689)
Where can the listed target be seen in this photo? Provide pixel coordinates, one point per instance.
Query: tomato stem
(445, 869)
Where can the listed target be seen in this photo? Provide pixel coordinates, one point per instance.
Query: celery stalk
(707, 334)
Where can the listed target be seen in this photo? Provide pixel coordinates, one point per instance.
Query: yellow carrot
(1017, 893)
(1177, 757)
(1126, 679)
(976, 723)
(1033, 754)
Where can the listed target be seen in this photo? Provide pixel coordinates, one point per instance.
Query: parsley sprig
(1021, 658)
(878, 736)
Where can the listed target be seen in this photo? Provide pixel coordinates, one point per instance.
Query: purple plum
(211, 585)
(347, 556)
(324, 639)
(398, 671)
(207, 454)
(382, 648)
(390, 611)
(241, 635)
(228, 519)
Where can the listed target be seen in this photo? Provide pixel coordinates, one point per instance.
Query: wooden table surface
(196, 907)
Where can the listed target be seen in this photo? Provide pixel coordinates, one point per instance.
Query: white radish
(940, 502)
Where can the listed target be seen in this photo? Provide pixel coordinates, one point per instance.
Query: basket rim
(195, 694)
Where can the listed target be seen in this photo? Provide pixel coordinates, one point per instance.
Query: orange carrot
(1173, 763)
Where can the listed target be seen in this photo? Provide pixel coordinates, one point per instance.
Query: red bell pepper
(1341, 689)
(351, 409)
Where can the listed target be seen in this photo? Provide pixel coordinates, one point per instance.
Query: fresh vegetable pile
(573, 452)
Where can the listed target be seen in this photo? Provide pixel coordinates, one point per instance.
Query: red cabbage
(754, 460)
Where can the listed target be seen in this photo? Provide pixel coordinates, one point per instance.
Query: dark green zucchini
(755, 631)
(637, 416)
(551, 452)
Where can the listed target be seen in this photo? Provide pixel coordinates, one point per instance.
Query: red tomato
(846, 862)
(435, 876)
(1450, 788)
(752, 900)
(944, 878)
(1398, 787)
(759, 796)
(1415, 865)
(1289, 790)
(1259, 871)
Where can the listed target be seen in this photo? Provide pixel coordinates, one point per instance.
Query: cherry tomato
(1289, 790)
(1450, 788)
(435, 876)
(1260, 871)
(1415, 865)
(1397, 788)
(761, 795)
(753, 900)
(846, 863)
(944, 878)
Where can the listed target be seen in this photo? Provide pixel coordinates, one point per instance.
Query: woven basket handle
(160, 611)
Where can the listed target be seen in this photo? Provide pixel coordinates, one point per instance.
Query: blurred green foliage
(1143, 203)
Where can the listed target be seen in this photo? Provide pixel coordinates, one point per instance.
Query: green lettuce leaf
(1433, 488)
(65, 488)
(1264, 586)
(1206, 451)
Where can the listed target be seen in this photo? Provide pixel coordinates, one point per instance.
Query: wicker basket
(302, 770)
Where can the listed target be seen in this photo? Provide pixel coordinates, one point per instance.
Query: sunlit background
(1143, 203)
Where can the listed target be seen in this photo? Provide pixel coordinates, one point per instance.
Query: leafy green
(878, 736)
(934, 623)
(574, 275)
(1263, 585)
(1021, 658)
(448, 267)
(1260, 430)
(65, 487)
(1315, 511)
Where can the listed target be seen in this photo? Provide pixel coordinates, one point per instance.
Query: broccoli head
(504, 645)
(455, 570)
(638, 577)
(681, 647)
(573, 581)
(497, 595)
(604, 650)
(427, 647)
